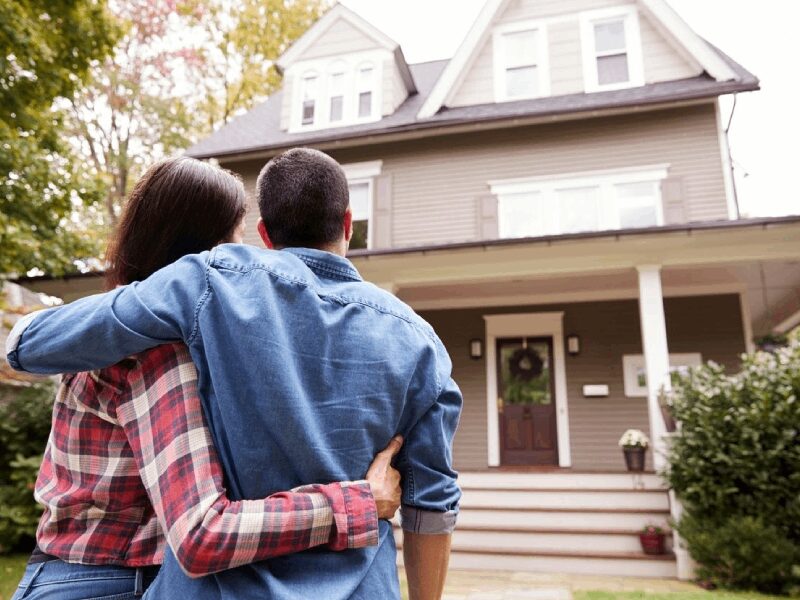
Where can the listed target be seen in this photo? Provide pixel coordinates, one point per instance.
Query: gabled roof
(666, 20)
(335, 14)
(260, 129)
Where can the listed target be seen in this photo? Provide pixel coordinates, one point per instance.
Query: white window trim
(605, 180)
(365, 172)
(324, 68)
(527, 325)
(633, 43)
(499, 67)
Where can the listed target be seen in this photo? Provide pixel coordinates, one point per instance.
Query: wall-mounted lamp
(476, 349)
(573, 345)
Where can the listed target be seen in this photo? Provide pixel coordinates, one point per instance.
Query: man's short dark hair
(302, 198)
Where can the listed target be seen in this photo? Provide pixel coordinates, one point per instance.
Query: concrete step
(561, 480)
(583, 499)
(596, 520)
(532, 540)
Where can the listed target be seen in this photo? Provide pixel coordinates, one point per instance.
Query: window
(361, 183)
(360, 202)
(626, 199)
(366, 76)
(522, 75)
(612, 54)
(336, 93)
(520, 62)
(309, 99)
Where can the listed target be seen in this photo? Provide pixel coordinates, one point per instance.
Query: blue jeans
(59, 580)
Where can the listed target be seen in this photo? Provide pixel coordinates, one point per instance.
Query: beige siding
(709, 325)
(394, 88)
(661, 61)
(341, 38)
(286, 103)
(438, 183)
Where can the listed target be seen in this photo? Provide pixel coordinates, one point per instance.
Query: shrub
(24, 429)
(735, 464)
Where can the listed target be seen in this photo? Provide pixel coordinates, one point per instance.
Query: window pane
(638, 204)
(359, 200)
(521, 48)
(337, 108)
(609, 36)
(612, 69)
(308, 112)
(578, 209)
(520, 215)
(522, 82)
(360, 235)
(365, 104)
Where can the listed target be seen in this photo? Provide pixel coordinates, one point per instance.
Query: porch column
(656, 354)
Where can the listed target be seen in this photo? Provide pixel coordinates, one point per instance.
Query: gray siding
(711, 325)
(661, 61)
(341, 38)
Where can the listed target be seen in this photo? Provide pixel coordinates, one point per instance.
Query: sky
(759, 34)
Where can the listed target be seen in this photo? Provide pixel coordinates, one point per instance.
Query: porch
(604, 318)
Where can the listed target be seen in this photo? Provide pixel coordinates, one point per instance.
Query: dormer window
(309, 99)
(520, 62)
(346, 90)
(612, 54)
(336, 91)
(366, 84)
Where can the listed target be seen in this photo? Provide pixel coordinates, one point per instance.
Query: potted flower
(652, 538)
(634, 444)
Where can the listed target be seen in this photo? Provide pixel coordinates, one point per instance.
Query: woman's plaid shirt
(130, 457)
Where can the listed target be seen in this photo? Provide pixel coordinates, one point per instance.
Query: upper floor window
(592, 202)
(309, 107)
(520, 62)
(612, 53)
(366, 84)
(361, 183)
(335, 92)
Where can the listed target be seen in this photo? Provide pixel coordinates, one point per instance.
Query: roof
(259, 130)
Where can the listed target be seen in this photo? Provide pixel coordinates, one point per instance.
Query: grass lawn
(699, 595)
(11, 570)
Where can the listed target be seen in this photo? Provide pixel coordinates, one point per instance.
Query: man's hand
(384, 480)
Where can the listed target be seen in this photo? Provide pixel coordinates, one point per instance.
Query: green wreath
(525, 364)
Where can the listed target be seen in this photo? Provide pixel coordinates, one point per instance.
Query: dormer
(342, 72)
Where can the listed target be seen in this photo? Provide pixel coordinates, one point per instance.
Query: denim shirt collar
(326, 264)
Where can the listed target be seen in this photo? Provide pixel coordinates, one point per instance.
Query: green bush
(24, 429)
(735, 464)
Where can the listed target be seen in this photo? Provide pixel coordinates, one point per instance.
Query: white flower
(634, 438)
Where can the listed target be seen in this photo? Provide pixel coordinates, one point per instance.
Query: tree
(180, 69)
(46, 47)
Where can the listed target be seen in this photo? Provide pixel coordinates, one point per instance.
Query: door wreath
(526, 364)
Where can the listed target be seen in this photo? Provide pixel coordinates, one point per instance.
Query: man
(304, 370)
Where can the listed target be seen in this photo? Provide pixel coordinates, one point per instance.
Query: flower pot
(652, 543)
(634, 458)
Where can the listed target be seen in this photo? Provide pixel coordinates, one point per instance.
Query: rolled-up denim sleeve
(98, 331)
(430, 488)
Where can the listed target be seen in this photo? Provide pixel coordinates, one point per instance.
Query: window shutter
(382, 213)
(488, 228)
(672, 195)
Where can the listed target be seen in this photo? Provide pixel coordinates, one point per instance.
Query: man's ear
(262, 232)
(348, 225)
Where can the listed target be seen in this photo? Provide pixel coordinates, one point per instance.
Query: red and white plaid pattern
(130, 457)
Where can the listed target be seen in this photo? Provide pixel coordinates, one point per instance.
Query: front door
(526, 401)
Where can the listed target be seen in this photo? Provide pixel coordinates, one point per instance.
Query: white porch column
(656, 354)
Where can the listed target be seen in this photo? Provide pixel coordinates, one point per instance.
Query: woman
(130, 464)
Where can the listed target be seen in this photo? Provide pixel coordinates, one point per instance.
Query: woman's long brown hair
(180, 206)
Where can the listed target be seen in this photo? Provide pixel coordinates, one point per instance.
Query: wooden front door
(526, 401)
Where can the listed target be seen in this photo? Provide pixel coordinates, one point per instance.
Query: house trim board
(527, 325)
(727, 167)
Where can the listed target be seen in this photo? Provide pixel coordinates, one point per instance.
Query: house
(557, 200)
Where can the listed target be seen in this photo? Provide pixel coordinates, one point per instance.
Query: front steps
(560, 523)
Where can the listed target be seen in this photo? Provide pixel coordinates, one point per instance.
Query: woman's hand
(384, 480)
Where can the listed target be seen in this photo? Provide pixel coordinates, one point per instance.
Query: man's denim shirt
(306, 371)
